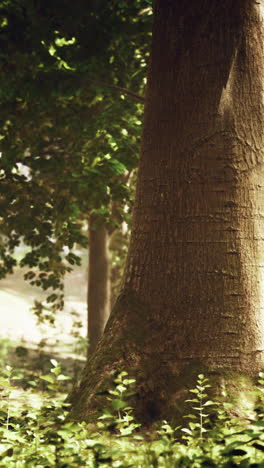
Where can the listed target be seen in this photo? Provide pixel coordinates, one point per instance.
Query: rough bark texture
(98, 282)
(193, 290)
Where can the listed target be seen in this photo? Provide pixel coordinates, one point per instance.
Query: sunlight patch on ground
(18, 322)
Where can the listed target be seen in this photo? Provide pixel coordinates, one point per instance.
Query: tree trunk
(98, 300)
(193, 292)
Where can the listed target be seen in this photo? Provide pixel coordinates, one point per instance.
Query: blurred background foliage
(72, 83)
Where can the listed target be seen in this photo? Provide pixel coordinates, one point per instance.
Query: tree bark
(193, 291)
(98, 300)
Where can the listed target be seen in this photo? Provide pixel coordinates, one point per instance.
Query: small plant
(120, 415)
(55, 378)
(260, 396)
(6, 388)
(200, 418)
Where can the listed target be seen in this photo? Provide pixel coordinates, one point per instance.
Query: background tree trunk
(192, 296)
(98, 281)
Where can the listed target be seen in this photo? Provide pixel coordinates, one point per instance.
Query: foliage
(70, 127)
(39, 432)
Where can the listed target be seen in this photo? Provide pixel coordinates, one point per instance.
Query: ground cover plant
(37, 431)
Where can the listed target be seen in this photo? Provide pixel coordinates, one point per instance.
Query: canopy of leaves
(71, 82)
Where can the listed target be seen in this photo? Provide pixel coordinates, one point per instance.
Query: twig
(118, 88)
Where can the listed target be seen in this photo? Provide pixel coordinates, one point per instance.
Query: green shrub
(36, 430)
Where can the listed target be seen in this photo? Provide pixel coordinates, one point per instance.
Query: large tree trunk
(193, 291)
(98, 300)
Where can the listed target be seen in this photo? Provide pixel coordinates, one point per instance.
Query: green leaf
(188, 431)
(118, 404)
(120, 388)
(54, 362)
(63, 377)
(128, 381)
(192, 416)
(258, 423)
(47, 378)
(210, 403)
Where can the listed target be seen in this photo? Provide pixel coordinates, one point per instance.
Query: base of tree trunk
(162, 381)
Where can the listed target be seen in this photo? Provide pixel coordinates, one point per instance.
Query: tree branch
(118, 88)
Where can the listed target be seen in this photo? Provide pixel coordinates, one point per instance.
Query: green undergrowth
(36, 429)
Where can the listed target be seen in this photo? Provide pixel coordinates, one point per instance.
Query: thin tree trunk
(98, 300)
(193, 292)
